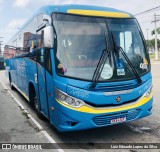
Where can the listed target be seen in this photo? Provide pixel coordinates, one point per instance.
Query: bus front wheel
(34, 102)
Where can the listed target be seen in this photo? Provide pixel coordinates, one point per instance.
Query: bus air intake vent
(118, 87)
(106, 119)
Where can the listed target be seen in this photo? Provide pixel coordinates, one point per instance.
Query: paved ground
(15, 127)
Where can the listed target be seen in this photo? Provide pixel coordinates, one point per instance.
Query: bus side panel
(13, 71)
(23, 72)
(19, 73)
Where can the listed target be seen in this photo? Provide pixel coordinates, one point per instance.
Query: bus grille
(106, 119)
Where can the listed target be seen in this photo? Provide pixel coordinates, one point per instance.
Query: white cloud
(1, 1)
(11, 29)
(15, 24)
(21, 3)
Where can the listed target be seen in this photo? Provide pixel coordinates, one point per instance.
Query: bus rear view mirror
(48, 37)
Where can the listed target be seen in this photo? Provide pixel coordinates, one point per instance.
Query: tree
(151, 43)
(153, 31)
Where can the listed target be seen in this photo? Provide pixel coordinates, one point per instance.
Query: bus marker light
(148, 92)
(118, 99)
(52, 108)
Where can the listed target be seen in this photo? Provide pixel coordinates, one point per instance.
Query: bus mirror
(48, 37)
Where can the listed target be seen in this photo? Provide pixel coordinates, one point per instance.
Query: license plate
(117, 120)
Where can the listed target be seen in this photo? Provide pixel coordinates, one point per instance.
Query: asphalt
(15, 126)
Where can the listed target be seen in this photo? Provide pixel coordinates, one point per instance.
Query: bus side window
(48, 61)
(40, 32)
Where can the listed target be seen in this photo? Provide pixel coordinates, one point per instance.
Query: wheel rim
(35, 103)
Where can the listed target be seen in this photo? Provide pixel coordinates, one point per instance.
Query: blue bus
(81, 67)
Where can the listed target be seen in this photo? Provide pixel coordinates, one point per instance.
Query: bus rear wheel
(10, 81)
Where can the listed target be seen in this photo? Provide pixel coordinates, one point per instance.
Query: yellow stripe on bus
(99, 13)
(92, 110)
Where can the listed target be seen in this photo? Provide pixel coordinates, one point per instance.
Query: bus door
(41, 80)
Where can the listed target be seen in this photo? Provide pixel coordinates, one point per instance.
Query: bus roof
(84, 10)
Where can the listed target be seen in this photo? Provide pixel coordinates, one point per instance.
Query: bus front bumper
(71, 119)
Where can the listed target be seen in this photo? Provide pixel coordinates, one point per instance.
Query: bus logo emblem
(118, 99)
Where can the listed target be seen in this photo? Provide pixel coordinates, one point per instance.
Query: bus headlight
(148, 92)
(68, 100)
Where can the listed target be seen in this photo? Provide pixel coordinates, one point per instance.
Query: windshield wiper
(127, 59)
(101, 64)
(115, 48)
(131, 65)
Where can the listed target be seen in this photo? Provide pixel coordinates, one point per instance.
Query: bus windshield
(81, 41)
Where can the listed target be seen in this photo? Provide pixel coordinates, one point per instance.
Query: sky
(14, 13)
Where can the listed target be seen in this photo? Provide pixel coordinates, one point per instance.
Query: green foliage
(153, 31)
(152, 55)
(151, 43)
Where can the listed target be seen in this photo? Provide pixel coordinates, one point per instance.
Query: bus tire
(10, 82)
(34, 102)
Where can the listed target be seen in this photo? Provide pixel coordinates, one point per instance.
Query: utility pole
(156, 48)
(147, 40)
